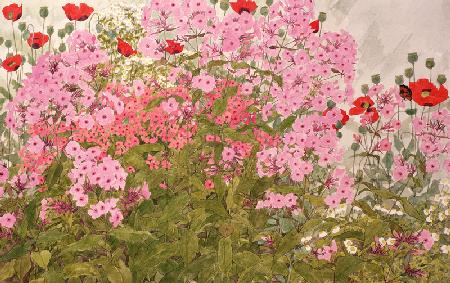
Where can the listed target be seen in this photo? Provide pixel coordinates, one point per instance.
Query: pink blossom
(7, 220)
(426, 239)
(35, 144)
(228, 154)
(145, 192)
(4, 174)
(105, 116)
(170, 106)
(384, 145)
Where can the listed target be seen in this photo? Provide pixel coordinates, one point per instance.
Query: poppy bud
(441, 79)
(409, 73)
(429, 63)
(69, 28)
(322, 17)
(411, 111)
(362, 130)
(26, 34)
(99, 28)
(281, 33)
(224, 6)
(50, 30)
(376, 79)
(43, 12)
(355, 146)
(339, 134)
(412, 57)
(338, 125)
(62, 47)
(1, 40)
(264, 11)
(8, 43)
(61, 33)
(365, 88)
(269, 2)
(399, 80)
(22, 26)
(331, 104)
(214, 2)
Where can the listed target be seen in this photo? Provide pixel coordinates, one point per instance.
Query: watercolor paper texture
(224, 141)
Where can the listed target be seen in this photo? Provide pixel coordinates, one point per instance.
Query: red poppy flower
(12, 12)
(363, 105)
(36, 40)
(426, 93)
(125, 48)
(243, 6)
(12, 63)
(315, 26)
(405, 92)
(173, 47)
(77, 13)
(344, 118)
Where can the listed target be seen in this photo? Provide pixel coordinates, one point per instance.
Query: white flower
(305, 239)
(348, 243)
(390, 241)
(445, 249)
(308, 248)
(382, 241)
(323, 234)
(441, 216)
(336, 229)
(447, 212)
(352, 250)
(446, 231)
(428, 219)
(435, 236)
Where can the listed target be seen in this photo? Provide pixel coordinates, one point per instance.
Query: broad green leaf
(247, 275)
(54, 171)
(388, 159)
(6, 270)
(225, 254)
(88, 243)
(130, 235)
(5, 93)
(39, 280)
(410, 209)
(41, 258)
(121, 274)
(287, 243)
(15, 252)
(219, 106)
(239, 65)
(22, 266)
(80, 269)
(398, 144)
(345, 266)
(189, 246)
(286, 123)
(307, 272)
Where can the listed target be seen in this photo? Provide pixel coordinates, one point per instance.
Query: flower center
(426, 92)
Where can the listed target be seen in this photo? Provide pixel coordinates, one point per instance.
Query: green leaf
(88, 243)
(5, 93)
(22, 266)
(215, 63)
(225, 254)
(388, 160)
(130, 235)
(247, 275)
(373, 229)
(366, 208)
(6, 270)
(287, 243)
(41, 258)
(54, 171)
(398, 144)
(219, 106)
(154, 103)
(345, 266)
(307, 272)
(121, 274)
(410, 209)
(278, 79)
(15, 252)
(239, 65)
(286, 123)
(189, 246)
(80, 269)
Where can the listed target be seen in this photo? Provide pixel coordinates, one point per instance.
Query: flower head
(12, 12)
(12, 63)
(426, 93)
(77, 13)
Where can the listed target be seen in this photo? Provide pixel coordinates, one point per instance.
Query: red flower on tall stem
(77, 13)
(12, 63)
(425, 93)
(243, 6)
(315, 26)
(125, 48)
(36, 40)
(363, 105)
(12, 12)
(173, 47)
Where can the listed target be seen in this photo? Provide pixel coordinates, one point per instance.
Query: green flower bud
(269, 2)
(62, 47)
(8, 43)
(22, 26)
(411, 111)
(331, 104)
(339, 125)
(355, 146)
(69, 28)
(224, 6)
(26, 34)
(43, 12)
(339, 135)
(264, 11)
(365, 88)
(409, 73)
(362, 130)
(61, 33)
(1, 40)
(413, 57)
(376, 79)
(441, 79)
(281, 32)
(429, 63)
(50, 30)
(214, 2)
(399, 80)
(322, 17)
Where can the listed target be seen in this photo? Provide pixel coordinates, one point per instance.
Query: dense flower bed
(190, 141)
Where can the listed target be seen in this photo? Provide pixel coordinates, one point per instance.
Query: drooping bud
(413, 57)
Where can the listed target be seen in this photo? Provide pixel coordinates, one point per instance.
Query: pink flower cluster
(7, 220)
(326, 252)
(344, 188)
(278, 201)
(104, 207)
